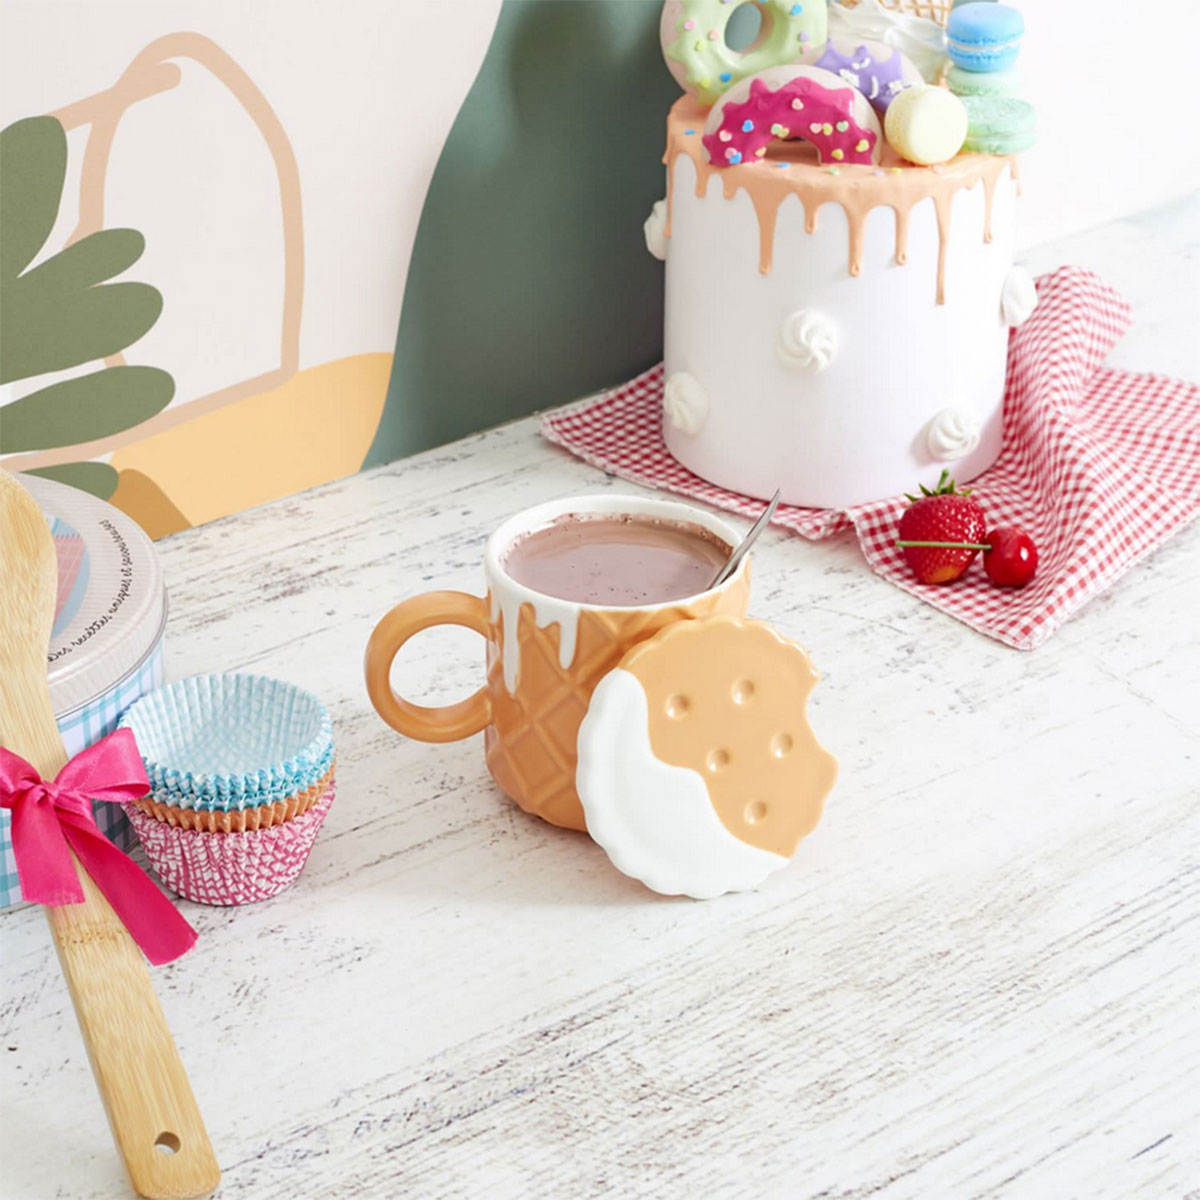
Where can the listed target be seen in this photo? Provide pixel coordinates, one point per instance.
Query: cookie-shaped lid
(698, 771)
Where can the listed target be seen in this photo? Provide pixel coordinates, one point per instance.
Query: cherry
(1012, 557)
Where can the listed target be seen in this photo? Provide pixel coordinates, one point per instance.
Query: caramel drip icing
(942, 202)
(989, 195)
(767, 211)
(901, 234)
(858, 189)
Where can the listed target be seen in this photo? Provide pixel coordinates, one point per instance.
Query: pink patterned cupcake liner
(230, 868)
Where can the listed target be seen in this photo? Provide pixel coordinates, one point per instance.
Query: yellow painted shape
(143, 500)
(315, 428)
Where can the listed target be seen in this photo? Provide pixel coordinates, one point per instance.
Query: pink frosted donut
(792, 102)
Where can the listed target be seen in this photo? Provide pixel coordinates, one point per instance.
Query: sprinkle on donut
(793, 102)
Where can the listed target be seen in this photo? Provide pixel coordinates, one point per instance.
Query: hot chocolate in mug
(545, 654)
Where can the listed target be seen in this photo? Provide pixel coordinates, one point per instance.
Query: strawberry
(941, 532)
(1011, 558)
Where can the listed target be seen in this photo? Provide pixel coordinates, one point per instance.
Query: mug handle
(446, 724)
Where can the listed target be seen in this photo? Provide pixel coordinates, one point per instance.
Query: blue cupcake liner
(258, 787)
(231, 741)
(250, 792)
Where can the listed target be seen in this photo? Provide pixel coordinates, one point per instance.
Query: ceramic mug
(544, 656)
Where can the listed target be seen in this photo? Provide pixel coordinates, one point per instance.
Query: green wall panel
(530, 283)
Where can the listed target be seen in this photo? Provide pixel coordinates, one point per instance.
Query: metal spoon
(743, 547)
(150, 1106)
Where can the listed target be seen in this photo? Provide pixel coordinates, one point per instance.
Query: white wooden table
(979, 978)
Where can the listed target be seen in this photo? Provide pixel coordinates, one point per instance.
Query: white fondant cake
(837, 316)
(837, 388)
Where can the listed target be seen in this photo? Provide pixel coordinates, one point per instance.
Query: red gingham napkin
(1100, 466)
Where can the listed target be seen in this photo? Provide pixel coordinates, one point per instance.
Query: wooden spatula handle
(150, 1106)
(153, 1114)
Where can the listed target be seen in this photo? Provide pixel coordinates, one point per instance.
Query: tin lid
(698, 771)
(111, 605)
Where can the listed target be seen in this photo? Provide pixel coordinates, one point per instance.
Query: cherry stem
(949, 545)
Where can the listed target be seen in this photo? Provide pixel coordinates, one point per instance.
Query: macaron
(998, 124)
(926, 124)
(983, 83)
(984, 36)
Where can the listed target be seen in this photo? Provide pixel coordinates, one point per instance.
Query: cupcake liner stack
(242, 773)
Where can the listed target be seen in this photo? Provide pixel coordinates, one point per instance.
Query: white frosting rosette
(685, 402)
(1018, 297)
(953, 434)
(655, 229)
(808, 341)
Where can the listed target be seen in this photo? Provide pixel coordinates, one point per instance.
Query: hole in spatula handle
(167, 1143)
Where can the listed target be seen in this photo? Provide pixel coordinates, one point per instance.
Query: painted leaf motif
(58, 315)
(84, 408)
(52, 328)
(91, 260)
(98, 478)
(33, 165)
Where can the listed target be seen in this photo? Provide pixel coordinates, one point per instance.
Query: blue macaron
(984, 36)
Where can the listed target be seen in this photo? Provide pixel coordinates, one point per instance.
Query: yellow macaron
(926, 125)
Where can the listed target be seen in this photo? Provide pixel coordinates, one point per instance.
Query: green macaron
(983, 83)
(998, 124)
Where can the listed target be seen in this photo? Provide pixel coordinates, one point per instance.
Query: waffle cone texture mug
(545, 656)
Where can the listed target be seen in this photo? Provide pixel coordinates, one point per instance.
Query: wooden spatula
(146, 1094)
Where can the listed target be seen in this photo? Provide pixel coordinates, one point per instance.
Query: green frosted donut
(694, 45)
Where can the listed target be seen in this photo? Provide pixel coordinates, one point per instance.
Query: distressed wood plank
(978, 979)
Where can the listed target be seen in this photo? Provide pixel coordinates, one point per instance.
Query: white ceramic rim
(542, 515)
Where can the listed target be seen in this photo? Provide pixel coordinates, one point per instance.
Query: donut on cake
(837, 313)
(703, 64)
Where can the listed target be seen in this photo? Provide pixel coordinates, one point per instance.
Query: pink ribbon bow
(47, 818)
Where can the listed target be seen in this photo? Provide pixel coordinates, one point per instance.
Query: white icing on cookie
(807, 341)
(655, 821)
(1018, 297)
(655, 229)
(953, 434)
(685, 402)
